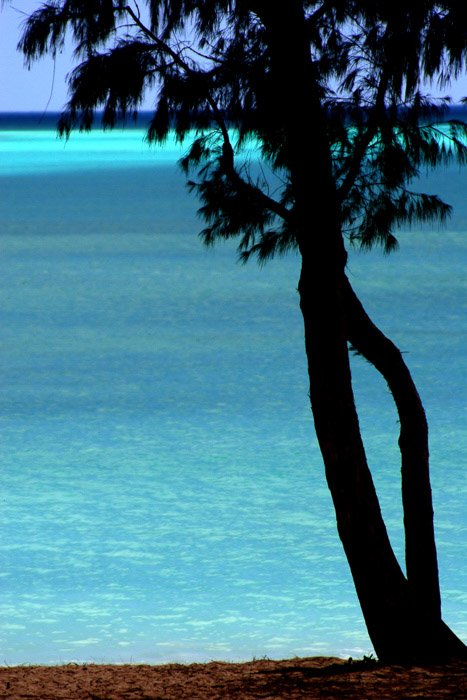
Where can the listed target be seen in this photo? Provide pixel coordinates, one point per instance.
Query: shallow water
(163, 495)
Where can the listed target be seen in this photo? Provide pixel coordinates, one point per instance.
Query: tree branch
(365, 140)
(227, 150)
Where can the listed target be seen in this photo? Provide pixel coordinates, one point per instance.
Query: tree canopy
(334, 99)
(209, 65)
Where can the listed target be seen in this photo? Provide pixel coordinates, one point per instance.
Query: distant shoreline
(48, 120)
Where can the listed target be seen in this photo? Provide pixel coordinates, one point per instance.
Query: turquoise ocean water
(162, 494)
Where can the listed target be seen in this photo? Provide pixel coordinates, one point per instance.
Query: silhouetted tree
(332, 94)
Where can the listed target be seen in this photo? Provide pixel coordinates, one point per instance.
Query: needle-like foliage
(305, 121)
(209, 64)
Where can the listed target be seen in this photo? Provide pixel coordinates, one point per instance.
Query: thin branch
(227, 150)
(206, 56)
(367, 137)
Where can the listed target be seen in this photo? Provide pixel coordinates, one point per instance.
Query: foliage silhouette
(331, 94)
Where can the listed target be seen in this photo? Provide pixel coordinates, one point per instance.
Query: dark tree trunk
(296, 113)
(435, 639)
(378, 578)
(379, 581)
(403, 621)
(420, 548)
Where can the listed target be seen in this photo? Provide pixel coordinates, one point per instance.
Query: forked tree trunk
(378, 579)
(295, 113)
(436, 640)
(420, 548)
(401, 629)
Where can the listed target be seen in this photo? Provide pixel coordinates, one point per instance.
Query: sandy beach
(317, 677)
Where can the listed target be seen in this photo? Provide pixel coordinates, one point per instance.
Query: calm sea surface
(162, 494)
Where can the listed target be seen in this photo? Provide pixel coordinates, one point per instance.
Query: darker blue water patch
(49, 120)
(46, 121)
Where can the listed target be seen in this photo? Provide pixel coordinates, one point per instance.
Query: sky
(43, 87)
(22, 89)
